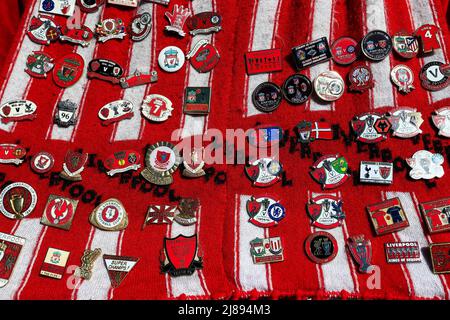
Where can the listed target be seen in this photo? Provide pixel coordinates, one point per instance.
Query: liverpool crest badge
(330, 171)
(17, 200)
(10, 247)
(440, 257)
(203, 56)
(171, 59)
(110, 215)
(403, 77)
(197, 100)
(266, 250)
(54, 265)
(68, 70)
(87, 263)
(371, 127)
(177, 19)
(264, 172)
(110, 29)
(405, 44)
(361, 251)
(118, 267)
(106, 70)
(73, 165)
(309, 131)
(161, 160)
(179, 256)
(360, 78)
(123, 161)
(187, 211)
(59, 212)
(264, 212)
(388, 216)
(66, 114)
(18, 110)
(42, 162)
(39, 64)
(325, 211)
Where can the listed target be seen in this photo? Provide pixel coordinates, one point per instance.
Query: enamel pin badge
(54, 265)
(203, 56)
(156, 107)
(426, 165)
(360, 78)
(310, 131)
(187, 211)
(204, 23)
(193, 164)
(330, 171)
(402, 252)
(160, 214)
(405, 122)
(265, 136)
(66, 114)
(405, 44)
(87, 263)
(177, 19)
(171, 59)
(297, 89)
(266, 250)
(110, 215)
(263, 61)
(73, 165)
(39, 64)
(311, 53)
(59, 212)
(106, 70)
(81, 36)
(441, 120)
(43, 30)
(125, 3)
(180, 256)
(440, 257)
(138, 79)
(264, 172)
(118, 267)
(321, 247)
(122, 161)
(10, 247)
(329, 86)
(197, 101)
(264, 212)
(433, 77)
(161, 160)
(89, 6)
(325, 211)
(12, 153)
(116, 111)
(361, 251)
(371, 127)
(376, 172)
(388, 216)
(140, 26)
(18, 110)
(436, 215)
(403, 77)
(109, 29)
(427, 34)
(59, 7)
(68, 70)
(42, 162)
(17, 200)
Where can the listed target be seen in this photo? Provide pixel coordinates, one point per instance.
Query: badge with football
(264, 212)
(180, 256)
(59, 212)
(73, 165)
(10, 247)
(325, 211)
(161, 160)
(330, 171)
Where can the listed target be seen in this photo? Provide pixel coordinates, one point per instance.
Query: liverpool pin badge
(402, 252)
(18, 110)
(330, 171)
(68, 70)
(403, 77)
(321, 247)
(42, 162)
(109, 29)
(159, 214)
(54, 265)
(440, 257)
(122, 161)
(264, 212)
(436, 215)
(427, 34)
(193, 163)
(87, 263)
(203, 56)
(171, 59)
(376, 172)
(197, 101)
(426, 165)
(361, 251)
(138, 78)
(38, 64)
(187, 211)
(161, 160)
(17, 200)
(110, 215)
(387, 216)
(405, 122)
(66, 114)
(360, 78)
(308, 131)
(180, 257)
(89, 5)
(177, 19)
(10, 247)
(204, 23)
(116, 111)
(140, 26)
(59, 212)
(325, 211)
(73, 165)
(12, 153)
(106, 70)
(266, 250)
(264, 172)
(156, 107)
(81, 35)
(441, 120)
(311, 53)
(371, 127)
(118, 267)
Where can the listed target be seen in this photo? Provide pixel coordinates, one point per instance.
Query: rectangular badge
(197, 100)
(59, 7)
(59, 212)
(437, 215)
(127, 3)
(163, 2)
(10, 247)
(267, 250)
(388, 216)
(263, 61)
(376, 172)
(311, 53)
(54, 265)
(440, 257)
(402, 252)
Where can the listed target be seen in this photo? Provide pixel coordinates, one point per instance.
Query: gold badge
(110, 215)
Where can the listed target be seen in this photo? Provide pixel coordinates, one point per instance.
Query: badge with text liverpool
(68, 70)
(371, 127)
(360, 78)
(436, 215)
(204, 23)
(116, 111)
(345, 50)
(361, 251)
(10, 247)
(441, 120)
(160, 214)
(321, 247)
(110, 215)
(54, 265)
(440, 257)
(43, 30)
(17, 200)
(376, 45)
(179, 256)
(161, 160)
(59, 212)
(12, 153)
(264, 172)
(264, 212)
(267, 97)
(66, 114)
(171, 59)
(325, 211)
(38, 64)
(426, 165)
(266, 250)
(73, 165)
(388, 216)
(118, 267)
(263, 61)
(402, 252)
(110, 29)
(18, 110)
(203, 56)
(197, 100)
(194, 164)
(330, 171)
(405, 122)
(376, 172)
(122, 161)
(297, 89)
(42, 162)
(311, 53)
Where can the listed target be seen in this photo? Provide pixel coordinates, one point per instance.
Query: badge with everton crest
(59, 212)
(122, 161)
(203, 56)
(371, 127)
(325, 211)
(330, 171)
(264, 172)
(264, 212)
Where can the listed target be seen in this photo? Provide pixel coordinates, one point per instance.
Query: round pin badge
(297, 89)
(171, 59)
(345, 50)
(267, 97)
(17, 200)
(376, 45)
(264, 172)
(156, 107)
(42, 162)
(321, 247)
(276, 212)
(360, 78)
(329, 86)
(432, 77)
(406, 45)
(403, 77)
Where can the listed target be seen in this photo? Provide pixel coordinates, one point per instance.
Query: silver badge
(405, 122)
(65, 116)
(442, 121)
(426, 165)
(376, 172)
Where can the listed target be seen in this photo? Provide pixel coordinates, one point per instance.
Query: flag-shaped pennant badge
(118, 267)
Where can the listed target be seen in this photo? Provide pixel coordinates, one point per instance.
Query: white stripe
(422, 13)
(262, 39)
(77, 92)
(251, 276)
(382, 92)
(425, 283)
(30, 229)
(97, 288)
(141, 59)
(18, 81)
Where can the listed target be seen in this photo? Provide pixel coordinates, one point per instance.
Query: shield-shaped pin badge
(66, 114)
(179, 256)
(193, 163)
(73, 165)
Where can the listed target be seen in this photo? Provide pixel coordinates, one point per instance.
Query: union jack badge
(266, 250)
(10, 247)
(160, 214)
(59, 212)
(177, 19)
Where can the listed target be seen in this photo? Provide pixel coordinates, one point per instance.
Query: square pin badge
(376, 172)
(197, 100)
(126, 3)
(59, 7)
(59, 212)
(388, 216)
(436, 215)
(55, 262)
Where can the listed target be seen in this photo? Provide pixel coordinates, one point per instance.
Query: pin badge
(402, 252)
(311, 53)
(105, 70)
(376, 172)
(204, 23)
(345, 50)
(432, 77)
(122, 161)
(405, 44)
(39, 64)
(361, 251)
(18, 110)
(193, 164)
(66, 114)
(81, 35)
(297, 89)
(325, 211)
(42, 162)
(426, 165)
(436, 215)
(161, 160)
(68, 70)
(266, 250)
(73, 165)
(43, 30)
(180, 256)
(59, 7)
(329, 86)
(264, 172)
(10, 247)
(156, 107)
(440, 257)
(330, 171)
(441, 119)
(159, 214)
(267, 97)
(187, 211)
(109, 29)
(360, 78)
(87, 263)
(428, 37)
(17, 200)
(126, 3)
(110, 215)
(89, 5)
(140, 26)
(177, 19)
(197, 101)
(171, 59)
(138, 79)
(388, 216)
(403, 77)
(59, 212)
(203, 56)
(263, 61)
(321, 247)
(371, 127)
(264, 212)
(309, 131)
(163, 2)
(116, 111)
(118, 267)
(265, 136)
(376, 45)
(12, 153)
(405, 122)
(54, 265)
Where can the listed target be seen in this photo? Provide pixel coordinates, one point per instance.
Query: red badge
(89, 5)
(428, 37)
(203, 56)
(18, 110)
(157, 214)
(118, 267)
(55, 262)
(402, 252)
(59, 212)
(388, 216)
(42, 162)
(10, 247)
(123, 161)
(360, 77)
(345, 50)
(43, 30)
(138, 79)
(440, 257)
(204, 23)
(180, 256)
(12, 153)
(437, 215)
(81, 36)
(263, 61)
(68, 70)
(73, 165)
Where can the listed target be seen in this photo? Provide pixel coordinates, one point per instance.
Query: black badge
(267, 97)
(297, 89)
(376, 45)
(105, 69)
(311, 53)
